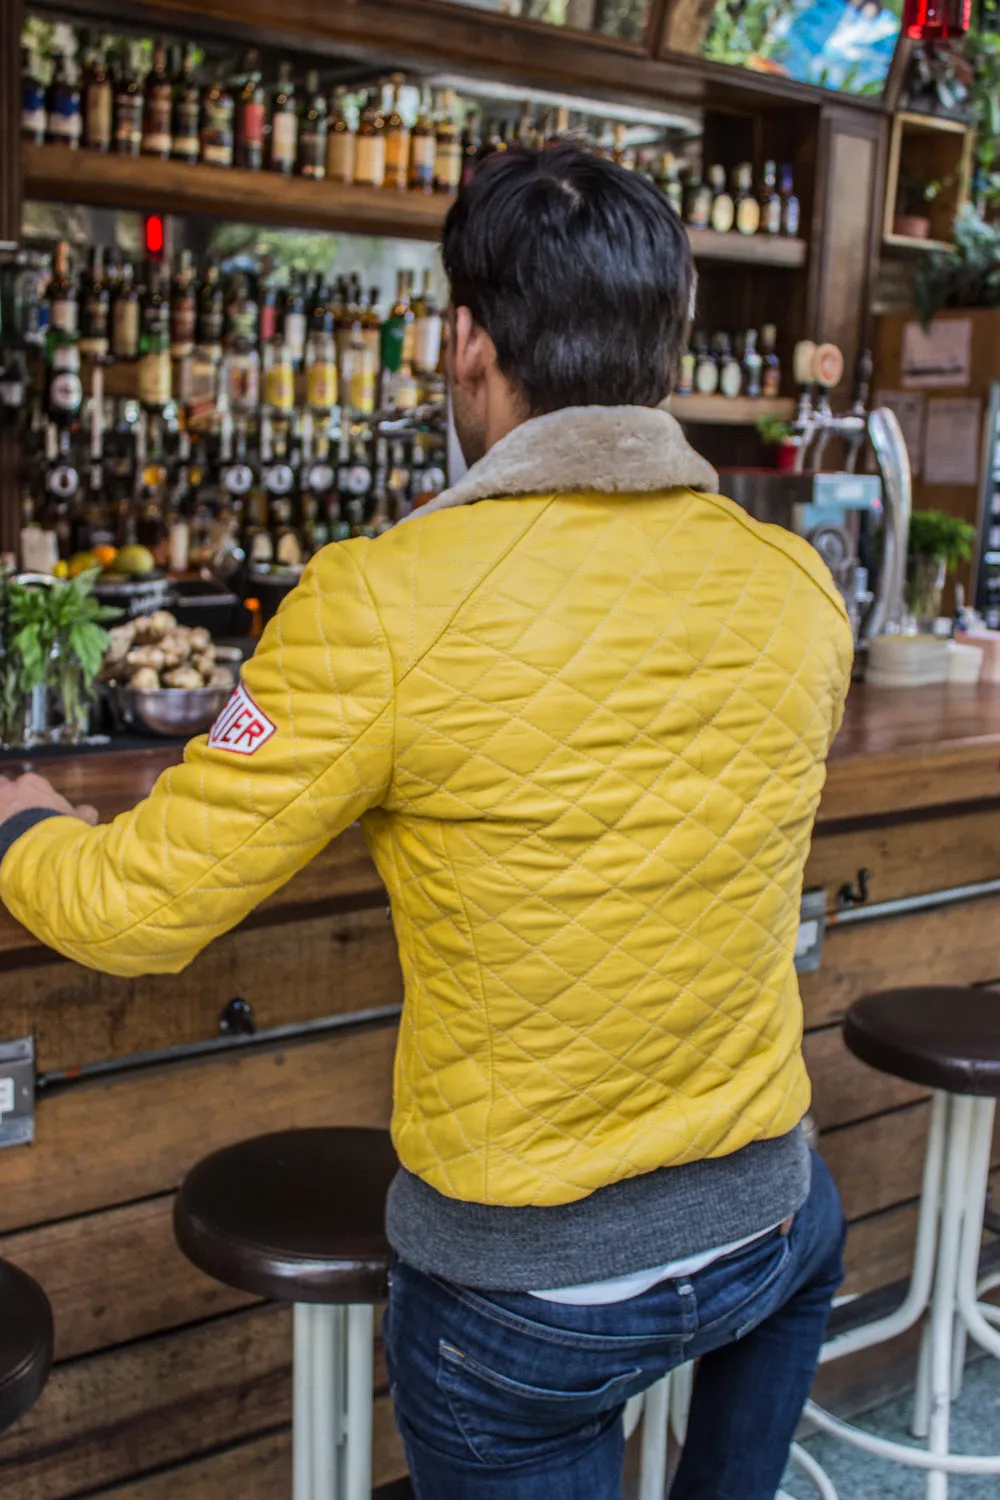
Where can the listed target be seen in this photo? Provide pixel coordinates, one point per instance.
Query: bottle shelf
(58, 174)
(731, 411)
(173, 187)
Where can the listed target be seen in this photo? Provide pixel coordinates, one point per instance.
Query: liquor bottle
(346, 323)
(241, 313)
(63, 386)
(63, 119)
(447, 147)
(371, 325)
(392, 335)
(753, 364)
(211, 313)
(770, 382)
(33, 116)
(359, 376)
(94, 308)
(321, 371)
(669, 182)
(770, 201)
(472, 147)
(422, 149)
(789, 204)
(157, 107)
(369, 161)
(216, 135)
(723, 210)
(706, 370)
(186, 117)
(125, 317)
(64, 307)
(556, 127)
(241, 367)
(397, 138)
(154, 344)
(620, 152)
(279, 378)
(340, 142)
(427, 325)
(251, 114)
(697, 202)
(319, 313)
(284, 123)
(98, 100)
(183, 309)
(128, 105)
(526, 132)
(312, 131)
(293, 324)
(730, 370)
(747, 207)
(685, 375)
(267, 298)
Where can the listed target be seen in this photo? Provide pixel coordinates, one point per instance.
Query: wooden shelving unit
(907, 244)
(57, 174)
(731, 411)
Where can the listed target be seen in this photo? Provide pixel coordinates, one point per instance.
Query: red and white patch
(241, 727)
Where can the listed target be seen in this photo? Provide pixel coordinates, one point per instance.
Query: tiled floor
(857, 1476)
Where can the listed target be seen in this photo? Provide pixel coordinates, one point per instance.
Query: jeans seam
(514, 1323)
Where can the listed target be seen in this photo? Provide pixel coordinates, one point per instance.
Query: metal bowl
(174, 713)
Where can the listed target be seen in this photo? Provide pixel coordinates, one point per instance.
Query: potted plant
(937, 543)
(782, 438)
(911, 219)
(967, 276)
(54, 642)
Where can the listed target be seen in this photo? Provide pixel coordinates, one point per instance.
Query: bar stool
(948, 1039)
(299, 1216)
(25, 1343)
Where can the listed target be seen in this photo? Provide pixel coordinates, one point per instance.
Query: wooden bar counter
(166, 1383)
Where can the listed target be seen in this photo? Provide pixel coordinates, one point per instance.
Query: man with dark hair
(582, 705)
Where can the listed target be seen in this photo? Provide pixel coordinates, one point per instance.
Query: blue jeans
(501, 1396)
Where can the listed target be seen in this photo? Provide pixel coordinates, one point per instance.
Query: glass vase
(72, 700)
(924, 584)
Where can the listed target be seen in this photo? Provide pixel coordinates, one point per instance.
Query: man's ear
(474, 351)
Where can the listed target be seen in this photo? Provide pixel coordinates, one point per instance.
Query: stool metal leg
(326, 1400)
(357, 1448)
(943, 1307)
(302, 1402)
(653, 1458)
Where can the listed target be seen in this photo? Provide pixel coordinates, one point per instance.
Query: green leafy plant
(968, 276)
(772, 430)
(941, 537)
(54, 637)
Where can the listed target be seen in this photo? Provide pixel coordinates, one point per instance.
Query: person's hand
(29, 792)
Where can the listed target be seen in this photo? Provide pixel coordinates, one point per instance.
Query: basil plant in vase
(54, 643)
(937, 543)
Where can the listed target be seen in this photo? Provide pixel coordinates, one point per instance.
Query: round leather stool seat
(945, 1037)
(299, 1215)
(25, 1343)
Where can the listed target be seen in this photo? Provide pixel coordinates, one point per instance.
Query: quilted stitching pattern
(587, 734)
(607, 768)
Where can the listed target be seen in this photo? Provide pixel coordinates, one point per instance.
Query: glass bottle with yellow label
(747, 204)
(723, 210)
(359, 376)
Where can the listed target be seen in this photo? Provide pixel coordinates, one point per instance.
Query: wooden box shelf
(731, 411)
(58, 174)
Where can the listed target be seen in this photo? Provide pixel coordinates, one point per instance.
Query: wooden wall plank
(845, 1089)
(260, 1469)
(879, 1162)
(951, 945)
(298, 971)
(117, 1276)
(909, 858)
(104, 1143)
(114, 1416)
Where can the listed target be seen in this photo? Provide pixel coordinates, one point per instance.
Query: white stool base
(332, 1402)
(945, 1267)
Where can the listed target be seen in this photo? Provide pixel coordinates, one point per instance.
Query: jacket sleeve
(145, 893)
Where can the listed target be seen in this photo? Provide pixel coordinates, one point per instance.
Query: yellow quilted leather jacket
(583, 711)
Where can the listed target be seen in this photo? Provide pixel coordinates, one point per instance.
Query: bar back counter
(166, 1382)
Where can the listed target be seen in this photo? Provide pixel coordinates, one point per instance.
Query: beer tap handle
(862, 382)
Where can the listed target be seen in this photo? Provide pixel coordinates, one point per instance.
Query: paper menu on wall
(908, 407)
(951, 441)
(938, 356)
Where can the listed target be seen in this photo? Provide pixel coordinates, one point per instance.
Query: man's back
(612, 713)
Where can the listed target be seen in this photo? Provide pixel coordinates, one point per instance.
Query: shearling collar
(608, 449)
